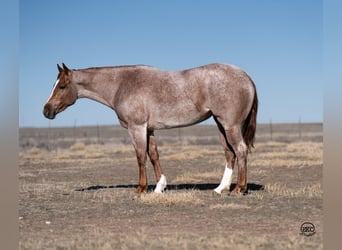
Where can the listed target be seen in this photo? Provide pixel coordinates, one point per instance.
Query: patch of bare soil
(76, 191)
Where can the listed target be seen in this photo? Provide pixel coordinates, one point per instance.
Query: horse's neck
(96, 86)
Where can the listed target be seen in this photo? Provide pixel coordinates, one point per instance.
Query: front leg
(138, 134)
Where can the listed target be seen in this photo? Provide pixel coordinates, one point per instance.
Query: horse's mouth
(50, 111)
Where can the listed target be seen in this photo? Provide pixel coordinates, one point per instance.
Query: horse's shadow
(200, 186)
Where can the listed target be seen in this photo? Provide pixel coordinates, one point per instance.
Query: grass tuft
(78, 146)
(310, 191)
(229, 206)
(191, 177)
(172, 198)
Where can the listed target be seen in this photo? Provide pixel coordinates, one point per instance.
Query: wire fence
(51, 138)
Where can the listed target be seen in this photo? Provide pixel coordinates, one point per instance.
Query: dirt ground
(76, 191)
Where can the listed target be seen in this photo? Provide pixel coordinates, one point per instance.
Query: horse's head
(64, 93)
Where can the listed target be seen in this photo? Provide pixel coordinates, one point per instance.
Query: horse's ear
(60, 70)
(65, 67)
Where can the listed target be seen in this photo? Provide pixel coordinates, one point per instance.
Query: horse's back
(221, 81)
(182, 98)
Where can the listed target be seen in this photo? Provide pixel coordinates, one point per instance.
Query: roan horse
(145, 99)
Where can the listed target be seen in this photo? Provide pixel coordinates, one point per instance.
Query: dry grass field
(76, 191)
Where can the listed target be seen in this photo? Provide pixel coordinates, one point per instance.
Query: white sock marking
(161, 185)
(225, 181)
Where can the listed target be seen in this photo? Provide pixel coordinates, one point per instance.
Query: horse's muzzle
(49, 112)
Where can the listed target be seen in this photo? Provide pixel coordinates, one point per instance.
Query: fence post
(179, 136)
(271, 130)
(300, 128)
(74, 131)
(98, 133)
(48, 136)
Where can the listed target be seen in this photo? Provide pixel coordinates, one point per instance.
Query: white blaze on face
(226, 180)
(53, 90)
(161, 185)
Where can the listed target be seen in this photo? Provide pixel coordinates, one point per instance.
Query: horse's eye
(62, 87)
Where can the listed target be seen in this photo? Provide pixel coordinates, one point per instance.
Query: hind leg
(235, 140)
(154, 157)
(230, 161)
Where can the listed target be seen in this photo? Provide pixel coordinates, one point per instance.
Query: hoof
(161, 185)
(215, 193)
(140, 189)
(240, 190)
(221, 188)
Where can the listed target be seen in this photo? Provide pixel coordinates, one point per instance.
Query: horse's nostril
(49, 112)
(46, 112)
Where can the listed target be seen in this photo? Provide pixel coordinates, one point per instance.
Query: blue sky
(279, 43)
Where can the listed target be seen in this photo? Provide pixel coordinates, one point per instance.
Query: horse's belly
(174, 119)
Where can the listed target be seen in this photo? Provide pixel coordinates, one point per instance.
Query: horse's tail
(249, 126)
